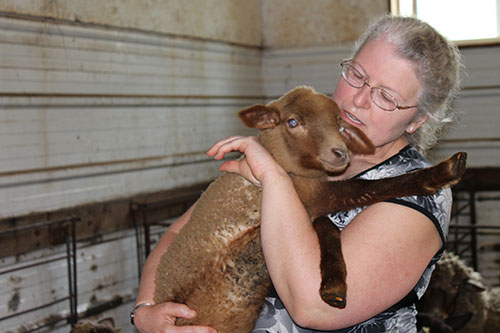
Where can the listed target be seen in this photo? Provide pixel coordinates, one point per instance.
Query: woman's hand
(160, 318)
(258, 164)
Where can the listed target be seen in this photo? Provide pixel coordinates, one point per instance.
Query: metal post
(473, 232)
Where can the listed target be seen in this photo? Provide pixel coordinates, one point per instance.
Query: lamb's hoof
(459, 165)
(455, 168)
(334, 299)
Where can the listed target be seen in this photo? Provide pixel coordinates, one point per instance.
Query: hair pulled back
(437, 64)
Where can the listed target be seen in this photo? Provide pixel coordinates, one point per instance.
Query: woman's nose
(362, 97)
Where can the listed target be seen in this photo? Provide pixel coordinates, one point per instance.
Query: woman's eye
(386, 96)
(292, 122)
(358, 76)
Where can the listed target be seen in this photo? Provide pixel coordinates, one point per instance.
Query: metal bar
(177, 199)
(479, 198)
(34, 309)
(472, 202)
(89, 312)
(70, 279)
(460, 210)
(75, 273)
(96, 164)
(113, 303)
(461, 238)
(483, 87)
(38, 263)
(47, 324)
(147, 236)
(138, 245)
(491, 139)
(477, 226)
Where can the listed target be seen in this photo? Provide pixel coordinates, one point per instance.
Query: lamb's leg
(333, 271)
(420, 182)
(351, 193)
(231, 292)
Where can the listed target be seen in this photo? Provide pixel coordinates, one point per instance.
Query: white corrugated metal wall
(89, 114)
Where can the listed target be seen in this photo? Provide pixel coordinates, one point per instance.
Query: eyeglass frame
(348, 62)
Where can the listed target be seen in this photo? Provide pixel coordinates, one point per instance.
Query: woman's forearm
(290, 245)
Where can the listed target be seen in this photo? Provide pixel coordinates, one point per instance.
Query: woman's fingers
(177, 310)
(161, 318)
(257, 164)
(240, 167)
(224, 146)
(183, 311)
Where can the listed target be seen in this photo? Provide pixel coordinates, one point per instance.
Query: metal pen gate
(69, 226)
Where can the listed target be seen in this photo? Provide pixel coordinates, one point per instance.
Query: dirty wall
(100, 102)
(106, 99)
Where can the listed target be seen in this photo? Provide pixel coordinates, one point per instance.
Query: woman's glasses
(380, 97)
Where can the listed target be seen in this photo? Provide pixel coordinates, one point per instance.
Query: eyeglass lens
(379, 96)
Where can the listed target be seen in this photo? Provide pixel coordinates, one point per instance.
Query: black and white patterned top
(402, 316)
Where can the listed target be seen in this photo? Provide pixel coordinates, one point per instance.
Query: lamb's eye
(292, 122)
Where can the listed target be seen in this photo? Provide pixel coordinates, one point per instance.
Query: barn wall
(101, 102)
(89, 114)
(231, 21)
(297, 23)
(478, 108)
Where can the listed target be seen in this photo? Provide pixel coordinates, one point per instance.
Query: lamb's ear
(259, 116)
(355, 139)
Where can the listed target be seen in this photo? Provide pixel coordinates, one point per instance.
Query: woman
(398, 89)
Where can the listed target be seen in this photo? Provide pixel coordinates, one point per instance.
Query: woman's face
(383, 68)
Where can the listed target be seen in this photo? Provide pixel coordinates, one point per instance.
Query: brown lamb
(216, 266)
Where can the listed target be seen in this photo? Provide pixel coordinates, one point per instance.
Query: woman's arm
(386, 247)
(161, 317)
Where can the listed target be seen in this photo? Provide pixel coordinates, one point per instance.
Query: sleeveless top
(402, 316)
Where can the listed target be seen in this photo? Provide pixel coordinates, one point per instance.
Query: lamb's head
(304, 132)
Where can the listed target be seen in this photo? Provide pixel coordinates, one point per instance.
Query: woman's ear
(415, 124)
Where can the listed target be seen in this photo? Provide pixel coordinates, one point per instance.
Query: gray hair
(437, 64)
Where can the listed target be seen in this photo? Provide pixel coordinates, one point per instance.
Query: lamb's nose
(340, 154)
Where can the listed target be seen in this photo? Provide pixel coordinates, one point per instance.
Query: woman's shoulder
(436, 207)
